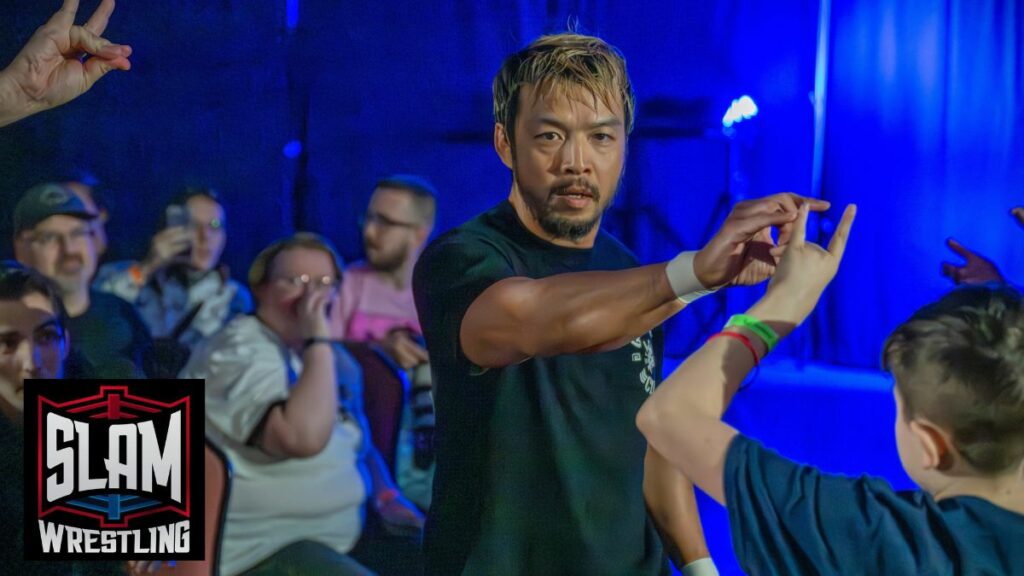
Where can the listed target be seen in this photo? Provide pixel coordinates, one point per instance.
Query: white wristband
(683, 279)
(702, 567)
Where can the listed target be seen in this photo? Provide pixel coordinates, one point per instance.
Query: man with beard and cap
(53, 234)
(376, 305)
(544, 340)
(181, 290)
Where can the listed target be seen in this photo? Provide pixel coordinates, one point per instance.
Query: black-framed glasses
(384, 221)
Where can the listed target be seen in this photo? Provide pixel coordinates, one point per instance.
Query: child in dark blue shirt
(958, 365)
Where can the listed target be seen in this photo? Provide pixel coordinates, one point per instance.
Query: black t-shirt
(109, 341)
(789, 518)
(539, 464)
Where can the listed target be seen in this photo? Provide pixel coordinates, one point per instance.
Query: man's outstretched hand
(742, 252)
(60, 62)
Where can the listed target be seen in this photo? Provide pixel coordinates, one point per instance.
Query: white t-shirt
(273, 502)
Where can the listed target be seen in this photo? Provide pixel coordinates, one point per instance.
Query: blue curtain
(925, 132)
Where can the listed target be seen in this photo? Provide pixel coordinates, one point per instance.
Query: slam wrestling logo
(114, 469)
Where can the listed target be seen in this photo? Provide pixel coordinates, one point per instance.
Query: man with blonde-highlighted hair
(544, 339)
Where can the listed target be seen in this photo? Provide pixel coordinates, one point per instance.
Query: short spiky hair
(959, 362)
(564, 62)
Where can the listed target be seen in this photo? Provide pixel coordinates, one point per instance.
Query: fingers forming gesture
(61, 61)
(742, 252)
(806, 268)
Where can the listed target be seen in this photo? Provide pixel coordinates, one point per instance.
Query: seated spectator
(976, 268)
(53, 234)
(283, 401)
(181, 290)
(376, 305)
(33, 344)
(958, 366)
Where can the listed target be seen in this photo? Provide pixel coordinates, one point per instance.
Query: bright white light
(742, 108)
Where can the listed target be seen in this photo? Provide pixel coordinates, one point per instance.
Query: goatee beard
(558, 226)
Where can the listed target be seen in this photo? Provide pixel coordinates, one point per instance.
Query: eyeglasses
(303, 280)
(50, 239)
(382, 220)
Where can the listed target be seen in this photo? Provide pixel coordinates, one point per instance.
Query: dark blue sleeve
(789, 518)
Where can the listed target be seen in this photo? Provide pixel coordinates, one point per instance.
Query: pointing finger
(837, 245)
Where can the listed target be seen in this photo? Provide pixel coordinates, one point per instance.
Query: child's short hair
(960, 363)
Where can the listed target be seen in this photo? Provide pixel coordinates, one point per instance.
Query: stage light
(292, 149)
(742, 108)
(291, 9)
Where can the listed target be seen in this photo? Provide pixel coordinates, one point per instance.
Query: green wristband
(759, 328)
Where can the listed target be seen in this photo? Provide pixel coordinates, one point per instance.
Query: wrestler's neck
(530, 221)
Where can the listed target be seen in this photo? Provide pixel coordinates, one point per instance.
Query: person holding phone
(181, 290)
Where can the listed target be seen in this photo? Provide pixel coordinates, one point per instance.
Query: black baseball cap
(45, 200)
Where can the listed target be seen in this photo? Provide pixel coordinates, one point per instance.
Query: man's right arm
(519, 318)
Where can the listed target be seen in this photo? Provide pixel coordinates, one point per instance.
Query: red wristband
(385, 497)
(737, 336)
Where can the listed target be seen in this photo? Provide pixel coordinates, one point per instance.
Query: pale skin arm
(49, 70)
(682, 419)
(302, 426)
(580, 312)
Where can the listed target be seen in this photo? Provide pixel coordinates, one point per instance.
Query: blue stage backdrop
(293, 108)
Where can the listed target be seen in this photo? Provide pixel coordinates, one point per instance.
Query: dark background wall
(923, 127)
(923, 130)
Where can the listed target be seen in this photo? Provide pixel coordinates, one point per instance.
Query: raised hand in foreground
(682, 419)
(59, 63)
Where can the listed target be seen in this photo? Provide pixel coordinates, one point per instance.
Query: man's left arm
(398, 514)
(672, 505)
